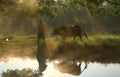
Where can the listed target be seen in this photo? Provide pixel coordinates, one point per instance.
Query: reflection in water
(41, 57)
(93, 69)
(70, 56)
(21, 73)
(41, 48)
(17, 64)
(75, 51)
(70, 67)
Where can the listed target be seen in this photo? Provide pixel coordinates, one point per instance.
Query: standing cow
(70, 31)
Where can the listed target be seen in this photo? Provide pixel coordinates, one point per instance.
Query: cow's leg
(74, 38)
(44, 38)
(80, 36)
(63, 39)
(86, 64)
(85, 35)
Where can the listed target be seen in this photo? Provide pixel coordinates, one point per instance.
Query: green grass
(28, 44)
(110, 40)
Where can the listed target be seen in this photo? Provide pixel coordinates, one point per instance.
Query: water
(93, 69)
(18, 63)
(62, 60)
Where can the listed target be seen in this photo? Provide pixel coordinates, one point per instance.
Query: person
(41, 33)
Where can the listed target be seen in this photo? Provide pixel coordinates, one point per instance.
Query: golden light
(20, 1)
(52, 72)
(55, 0)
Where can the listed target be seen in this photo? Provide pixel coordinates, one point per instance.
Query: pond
(94, 69)
(62, 60)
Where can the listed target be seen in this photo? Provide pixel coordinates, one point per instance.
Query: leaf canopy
(49, 8)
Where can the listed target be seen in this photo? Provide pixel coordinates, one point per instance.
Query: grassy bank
(97, 45)
(110, 40)
(93, 40)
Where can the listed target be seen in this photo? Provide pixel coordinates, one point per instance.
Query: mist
(97, 24)
(22, 19)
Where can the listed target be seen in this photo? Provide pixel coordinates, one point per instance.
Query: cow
(70, 31)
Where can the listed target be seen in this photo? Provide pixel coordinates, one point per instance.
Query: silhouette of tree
(21, 73)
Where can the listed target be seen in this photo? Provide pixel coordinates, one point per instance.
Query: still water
(94, 69)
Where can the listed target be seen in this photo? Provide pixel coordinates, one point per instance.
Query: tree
(17, 8)
(45, 8)
(50, 7)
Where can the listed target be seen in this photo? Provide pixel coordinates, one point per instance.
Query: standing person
(41, 32)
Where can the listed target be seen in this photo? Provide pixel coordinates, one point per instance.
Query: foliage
(93, 6)
(17, 8)
(45, 8)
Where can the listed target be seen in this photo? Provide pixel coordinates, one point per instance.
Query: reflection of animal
(70, 67)
(70, 31)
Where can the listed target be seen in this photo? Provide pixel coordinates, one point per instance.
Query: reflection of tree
(64, 67)
(21, 73)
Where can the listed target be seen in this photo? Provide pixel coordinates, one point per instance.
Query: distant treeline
(92, 24)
